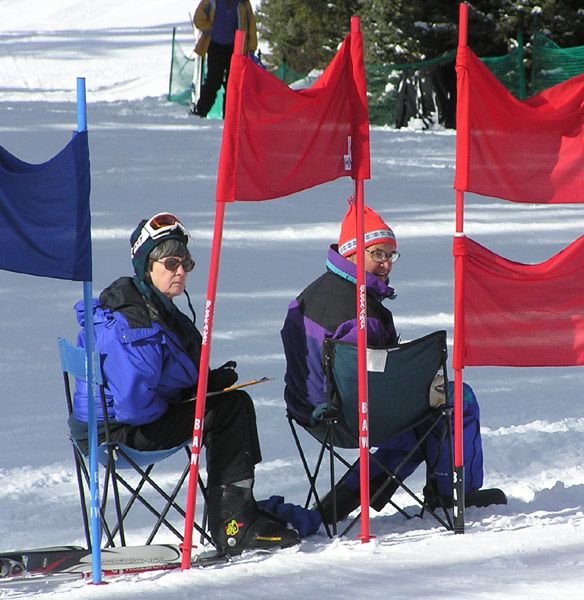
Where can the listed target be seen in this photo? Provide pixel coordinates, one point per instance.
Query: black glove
(222, 377)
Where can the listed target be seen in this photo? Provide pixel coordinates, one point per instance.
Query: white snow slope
(148, 155)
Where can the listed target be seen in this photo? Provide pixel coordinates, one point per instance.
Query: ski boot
(479, 498)
(348, 499)
(237, 524)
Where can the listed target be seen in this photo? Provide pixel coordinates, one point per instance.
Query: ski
(212, 558)
(78, 560)
(122, 561)
(19, 561)
(73, 562)
(10, 567)
(198, 68)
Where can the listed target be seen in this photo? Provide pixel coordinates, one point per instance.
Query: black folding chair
(120, 462)
(399, 381)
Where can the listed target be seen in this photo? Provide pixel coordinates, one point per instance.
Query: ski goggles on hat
(158, 226)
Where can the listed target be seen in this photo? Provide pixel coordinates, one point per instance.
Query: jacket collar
(344, 268)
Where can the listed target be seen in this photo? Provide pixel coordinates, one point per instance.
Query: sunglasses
(172, 264)
(158, 226)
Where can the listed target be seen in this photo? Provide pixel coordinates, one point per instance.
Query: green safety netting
(551, 64)
(182, 70)
(382, 92)
(383, 85)
(509, 69)
(384, 82)
(181, 75)
(288, 75)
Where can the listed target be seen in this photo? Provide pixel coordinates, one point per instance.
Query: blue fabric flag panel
(45, 220)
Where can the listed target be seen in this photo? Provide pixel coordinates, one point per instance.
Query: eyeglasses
(172, 264)
(379, 256)
(158, 226)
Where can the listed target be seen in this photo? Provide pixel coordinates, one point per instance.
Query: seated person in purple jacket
(327, 309)
(149, 354)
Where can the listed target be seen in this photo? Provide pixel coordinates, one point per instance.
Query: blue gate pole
(94, 514)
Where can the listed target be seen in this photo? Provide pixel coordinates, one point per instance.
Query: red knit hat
(376, 231)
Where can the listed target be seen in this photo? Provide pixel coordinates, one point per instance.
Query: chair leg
(331, 439)
(80, 486)
(307, 470)
(445, 437)
(204, 523)
(447, 521)
(203, 529)
(111, 475)
(110, 533)
(105, 527)
(157, 514)
(311, 475)
(136, 496)
(169, 504)
(170, 499)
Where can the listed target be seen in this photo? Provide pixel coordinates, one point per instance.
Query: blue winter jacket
(327, 309)
(144, 365)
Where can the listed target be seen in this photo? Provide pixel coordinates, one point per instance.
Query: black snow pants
(229, 435)
(218, 62)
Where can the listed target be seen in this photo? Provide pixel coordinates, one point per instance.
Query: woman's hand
(222, 377)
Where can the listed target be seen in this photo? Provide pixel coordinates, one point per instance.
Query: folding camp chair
(399, 380)
(118, 461)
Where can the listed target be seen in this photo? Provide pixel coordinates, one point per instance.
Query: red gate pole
(360, 171)
(187, 545)
(362, 364)
(462, 161)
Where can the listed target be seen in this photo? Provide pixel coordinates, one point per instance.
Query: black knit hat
(141, 251)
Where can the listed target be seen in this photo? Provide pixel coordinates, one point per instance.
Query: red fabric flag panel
(524, 151)
(519, 314)
(278, 141)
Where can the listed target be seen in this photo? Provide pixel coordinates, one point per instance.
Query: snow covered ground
(147, 156)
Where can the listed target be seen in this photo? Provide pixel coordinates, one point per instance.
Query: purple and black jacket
(327, 309)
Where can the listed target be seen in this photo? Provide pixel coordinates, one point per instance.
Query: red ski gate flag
(524, 151)
(523, 315)
(277, 141)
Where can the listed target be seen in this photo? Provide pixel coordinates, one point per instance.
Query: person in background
(217, 21)
(327, 309)
(149, 355)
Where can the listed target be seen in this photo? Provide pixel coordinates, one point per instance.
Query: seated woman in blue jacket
(149, 353)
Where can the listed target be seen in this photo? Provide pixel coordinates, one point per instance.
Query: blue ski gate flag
(45, 221)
